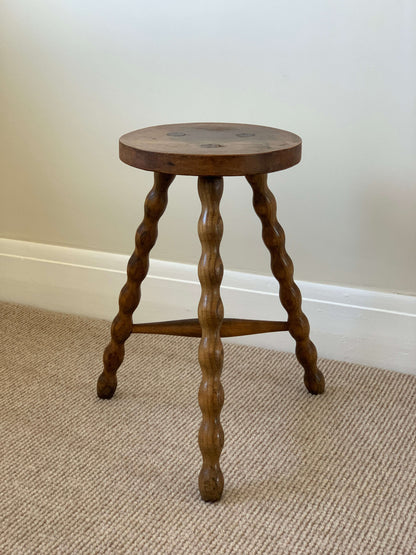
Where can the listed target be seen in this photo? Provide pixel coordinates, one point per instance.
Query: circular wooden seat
(211, 149)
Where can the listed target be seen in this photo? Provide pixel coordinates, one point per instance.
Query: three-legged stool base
(210, 151)
(210, 325)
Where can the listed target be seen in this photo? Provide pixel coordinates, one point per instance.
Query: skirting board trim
(355, 325)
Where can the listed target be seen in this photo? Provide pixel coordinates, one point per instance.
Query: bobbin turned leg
(210, 313)
(137, 268)
(282, 267)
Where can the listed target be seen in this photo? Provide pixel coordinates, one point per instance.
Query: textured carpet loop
(304, 475)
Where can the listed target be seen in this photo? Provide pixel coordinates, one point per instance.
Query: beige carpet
(303, 474)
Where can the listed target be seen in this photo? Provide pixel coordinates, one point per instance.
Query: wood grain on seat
(211, 149)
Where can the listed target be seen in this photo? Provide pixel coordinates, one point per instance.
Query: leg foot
(282, 267)
(315, 383)
(106, 385)
(211, 483)
(307, 356)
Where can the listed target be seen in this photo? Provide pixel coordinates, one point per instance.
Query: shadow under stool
(210, 151)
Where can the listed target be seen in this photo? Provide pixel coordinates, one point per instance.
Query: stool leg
(210, 313)
(282, 267)
(137, 268)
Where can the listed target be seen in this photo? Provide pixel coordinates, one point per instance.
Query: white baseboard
(355, 325)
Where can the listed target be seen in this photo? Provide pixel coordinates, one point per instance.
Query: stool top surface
(210, 149)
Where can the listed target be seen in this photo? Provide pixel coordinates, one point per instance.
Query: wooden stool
(210, 151)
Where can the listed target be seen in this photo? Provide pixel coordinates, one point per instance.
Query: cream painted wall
(76, 75)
